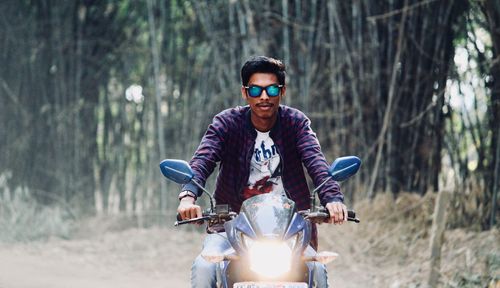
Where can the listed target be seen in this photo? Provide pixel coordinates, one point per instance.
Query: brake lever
(199, 219)
(355, 220)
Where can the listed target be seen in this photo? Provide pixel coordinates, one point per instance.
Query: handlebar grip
(351, 216)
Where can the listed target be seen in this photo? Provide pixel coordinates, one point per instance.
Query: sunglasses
(272, 90)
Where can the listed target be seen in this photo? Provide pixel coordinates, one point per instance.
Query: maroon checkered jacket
(230, 141)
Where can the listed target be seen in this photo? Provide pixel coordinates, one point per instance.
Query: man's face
(264, 107)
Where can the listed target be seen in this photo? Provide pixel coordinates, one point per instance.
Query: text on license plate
(270, 285)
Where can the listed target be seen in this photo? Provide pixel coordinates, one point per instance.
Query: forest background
(94, 94)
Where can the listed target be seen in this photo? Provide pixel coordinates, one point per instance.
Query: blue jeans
(320, 276)
(204, 273)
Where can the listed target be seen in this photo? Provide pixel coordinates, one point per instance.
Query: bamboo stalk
(437, 233)
(390, 100)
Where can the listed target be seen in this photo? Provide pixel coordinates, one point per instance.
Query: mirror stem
(313, 194)
(208, 193)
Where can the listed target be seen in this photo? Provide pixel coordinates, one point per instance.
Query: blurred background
(94, 94)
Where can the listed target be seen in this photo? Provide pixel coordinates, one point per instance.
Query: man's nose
(264, 95)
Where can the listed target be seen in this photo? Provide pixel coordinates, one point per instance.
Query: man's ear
(243, 93)
(283, 90)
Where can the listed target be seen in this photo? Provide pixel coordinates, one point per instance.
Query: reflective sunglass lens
(273, 90)
(254, 91)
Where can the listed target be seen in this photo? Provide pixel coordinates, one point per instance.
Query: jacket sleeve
(315, 162)
(207, 155)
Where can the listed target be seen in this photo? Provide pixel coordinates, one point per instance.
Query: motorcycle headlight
(269, 258)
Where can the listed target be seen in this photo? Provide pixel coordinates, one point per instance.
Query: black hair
(262, 64)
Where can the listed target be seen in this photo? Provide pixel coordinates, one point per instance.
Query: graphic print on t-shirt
(265, 169)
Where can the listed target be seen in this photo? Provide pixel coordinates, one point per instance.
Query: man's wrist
(334, 199)
(187, 194)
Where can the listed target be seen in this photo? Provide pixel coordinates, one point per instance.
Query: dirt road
(132, 258)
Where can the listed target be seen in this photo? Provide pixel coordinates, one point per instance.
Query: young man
(260, 148)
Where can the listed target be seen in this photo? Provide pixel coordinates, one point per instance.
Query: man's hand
(338, 212)
(187, 209)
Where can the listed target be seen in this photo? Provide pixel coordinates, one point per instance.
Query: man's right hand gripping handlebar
(187, 209)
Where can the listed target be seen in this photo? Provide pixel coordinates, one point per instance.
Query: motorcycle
(269, 238)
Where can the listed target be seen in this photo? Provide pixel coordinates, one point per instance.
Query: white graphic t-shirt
(265, 168)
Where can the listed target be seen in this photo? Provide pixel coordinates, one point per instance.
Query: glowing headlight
(270, 259)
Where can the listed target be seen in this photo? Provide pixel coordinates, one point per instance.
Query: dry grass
(22, 219)
(390, 247)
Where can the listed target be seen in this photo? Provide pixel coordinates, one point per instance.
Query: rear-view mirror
(176, 170)
(344, 167)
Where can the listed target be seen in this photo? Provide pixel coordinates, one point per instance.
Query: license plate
(270, 285)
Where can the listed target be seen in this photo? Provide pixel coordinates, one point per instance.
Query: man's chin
(265, 114)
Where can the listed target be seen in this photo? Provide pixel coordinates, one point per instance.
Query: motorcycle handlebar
(199, 219)
(322, 215)
(221, 215)
(351, 216)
